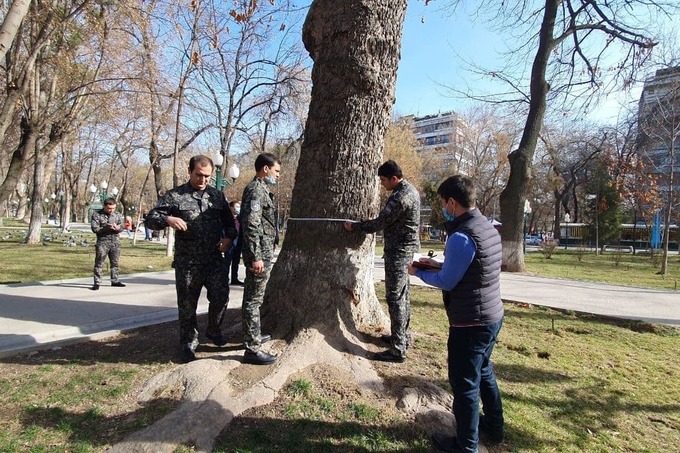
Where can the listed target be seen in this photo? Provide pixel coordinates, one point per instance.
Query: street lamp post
(527, 211)
(597, 216)
(62, 223)
(219, 180)
(102, 195)
(567, 219)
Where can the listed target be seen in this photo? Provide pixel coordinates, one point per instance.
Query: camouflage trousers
(191, 275)
(398, 295)
(104, 249)
(253, 295)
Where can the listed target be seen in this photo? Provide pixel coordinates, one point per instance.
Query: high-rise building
(441, 142)
(659, 126)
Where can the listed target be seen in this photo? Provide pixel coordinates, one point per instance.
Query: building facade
(441, 143)
(659, 127)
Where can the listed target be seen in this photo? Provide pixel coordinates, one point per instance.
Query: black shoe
(217, 339)
(494, 436)
(237, 282)
(187, 353)
(445, 443)
(95, 287)
(118, 284)
(258, 358)
(265, 338)
(388, 356)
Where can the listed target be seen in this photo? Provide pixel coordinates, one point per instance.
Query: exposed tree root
(219, 389)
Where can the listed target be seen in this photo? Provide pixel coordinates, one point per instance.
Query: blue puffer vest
(476, 300)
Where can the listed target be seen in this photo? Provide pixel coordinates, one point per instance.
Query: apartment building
(659, 125)
(441, 142)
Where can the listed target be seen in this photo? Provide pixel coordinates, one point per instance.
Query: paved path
(40, 315)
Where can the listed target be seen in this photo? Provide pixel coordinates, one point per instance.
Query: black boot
(258, 358)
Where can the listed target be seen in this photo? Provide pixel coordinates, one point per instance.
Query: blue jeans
(471, 377)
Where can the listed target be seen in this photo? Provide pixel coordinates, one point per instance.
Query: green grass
(570, 383)
(58, 262)
(619, 269)
(82, 398)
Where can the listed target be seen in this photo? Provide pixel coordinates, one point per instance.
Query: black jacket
(476, 299)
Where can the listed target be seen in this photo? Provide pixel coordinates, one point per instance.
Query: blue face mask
(270, 180)
(448, 217)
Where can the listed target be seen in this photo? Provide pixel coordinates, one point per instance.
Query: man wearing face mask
(258, 222)
(470, 280)
(400, 222)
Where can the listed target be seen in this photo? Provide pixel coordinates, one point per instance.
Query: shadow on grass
(154, 344)
(582, 413)
(537, 312)
(304, 435)
(91, 427)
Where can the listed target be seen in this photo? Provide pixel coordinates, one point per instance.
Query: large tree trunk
(513, 195)
(323, 278)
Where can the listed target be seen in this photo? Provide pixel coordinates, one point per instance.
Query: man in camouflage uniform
(400, 222)
(106, 224)
(204, 230)
(258, 222)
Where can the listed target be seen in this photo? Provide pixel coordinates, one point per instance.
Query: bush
(548, 248)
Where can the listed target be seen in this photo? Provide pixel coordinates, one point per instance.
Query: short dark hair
(460, 188)
(110, 202)
(200, 160)
(266, 159)
(233, 203)
(390, 169)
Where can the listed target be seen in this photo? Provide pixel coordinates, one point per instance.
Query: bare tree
(252, 75)
(581, 47)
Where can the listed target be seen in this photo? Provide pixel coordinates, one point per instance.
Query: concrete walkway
(44, 314)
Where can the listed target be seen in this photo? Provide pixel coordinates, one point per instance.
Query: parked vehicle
(532, 239)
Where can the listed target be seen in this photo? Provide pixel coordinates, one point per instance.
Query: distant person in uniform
(147, 231)
(258, 221)
(470, 280)
(107, 224)
(235, 251)
(400, 222)
(205, 229)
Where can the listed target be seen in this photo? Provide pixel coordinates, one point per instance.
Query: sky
(429, 60)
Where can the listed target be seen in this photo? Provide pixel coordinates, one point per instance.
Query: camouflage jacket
(258, 221)
(101, 222)
(399, 220)
(206, 214)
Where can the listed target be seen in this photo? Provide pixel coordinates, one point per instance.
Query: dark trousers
(234, 260)
(104, 249)
(472, 378)
(190, 278)
(398, 296)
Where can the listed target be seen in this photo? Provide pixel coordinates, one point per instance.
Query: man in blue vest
(470, 280)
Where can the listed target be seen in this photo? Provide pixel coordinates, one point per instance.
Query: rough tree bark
(323, 277)
(513, 195)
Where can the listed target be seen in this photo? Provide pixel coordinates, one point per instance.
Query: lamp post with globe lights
(233, 172)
